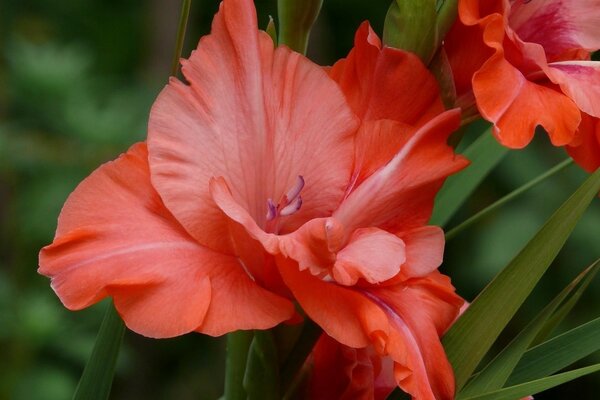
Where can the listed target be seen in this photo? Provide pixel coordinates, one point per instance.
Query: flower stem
(304, 345)
(296, 18)
(183, 18)
(238, 344)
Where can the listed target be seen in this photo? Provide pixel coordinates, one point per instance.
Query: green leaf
(485, 153)
(558, 353)
(411, 25)
(496, 373)
(565, 308)
(306, 341)
(272, 30)
(511, 196)
(238, 345)
(296, 18)
(446, 16)
(97, 377)
(470, 338)
(261, 380)
(183, 19)
(533, 387)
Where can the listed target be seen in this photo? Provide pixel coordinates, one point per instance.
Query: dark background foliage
(77, 78)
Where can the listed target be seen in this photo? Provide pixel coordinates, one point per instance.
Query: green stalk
(517, 192)
(447, 14)
(183, 19)
(296, 18)
(97, 377)
(303, 347)
(238, 344)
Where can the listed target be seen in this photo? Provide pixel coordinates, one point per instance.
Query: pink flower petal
(580, 80)
(560, 26)
(256, 116)
(371, 254)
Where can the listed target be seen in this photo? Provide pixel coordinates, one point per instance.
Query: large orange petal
(260, 118)
(399, 196)
(116, 238)
(517, 106)
(386, 83)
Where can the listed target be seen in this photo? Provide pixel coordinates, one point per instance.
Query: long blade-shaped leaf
(568, 305)
(558, 353)
(511, 196)
(495, 374)
(473, 334)
(485, 153)
(533, 387)
(97, 377)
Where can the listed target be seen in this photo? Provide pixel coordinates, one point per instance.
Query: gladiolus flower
(264, 182)
(527, 63)
(344, 373)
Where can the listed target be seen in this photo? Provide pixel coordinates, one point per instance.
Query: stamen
(292, 207)
(288, 204)
(294, 191)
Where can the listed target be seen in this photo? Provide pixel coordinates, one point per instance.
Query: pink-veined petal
(116, 238)
(580, 80)
(420, 313)
(260, 118)
(560, 26)
(403, 321)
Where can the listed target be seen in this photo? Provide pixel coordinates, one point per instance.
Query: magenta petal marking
(271, 210)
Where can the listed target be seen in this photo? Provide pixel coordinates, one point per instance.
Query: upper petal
(116, 238)
(258, 117)
(386, 83)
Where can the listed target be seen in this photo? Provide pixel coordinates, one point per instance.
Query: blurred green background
(77, 79)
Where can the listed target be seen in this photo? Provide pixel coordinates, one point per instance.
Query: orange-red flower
(266, 181)
(527, 64)
(344, 373)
